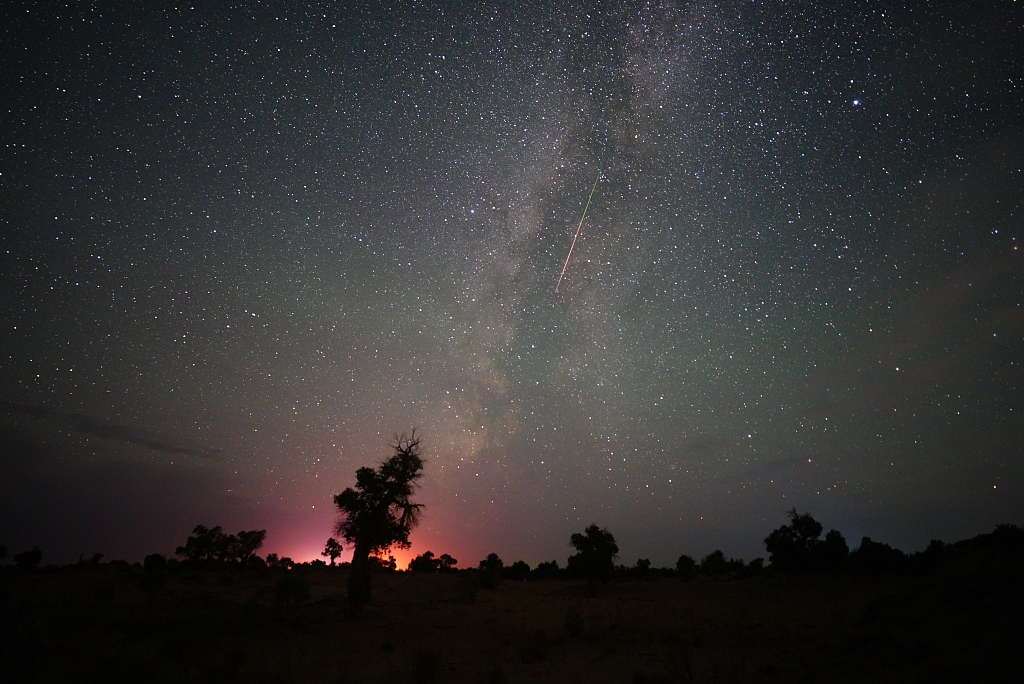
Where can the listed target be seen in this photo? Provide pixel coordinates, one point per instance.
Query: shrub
(424, 562)
(446, 563)
(546, 570)
(517, 572)
(686, 567)
(28, 560)
(492, 562)
(875, 557)
(155, 573)
(715, 563)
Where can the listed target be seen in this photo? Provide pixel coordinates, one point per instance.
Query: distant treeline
(794, 548)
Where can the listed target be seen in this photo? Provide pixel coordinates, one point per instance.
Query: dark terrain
(957, 621)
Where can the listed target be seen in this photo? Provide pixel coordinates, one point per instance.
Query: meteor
(578, 229)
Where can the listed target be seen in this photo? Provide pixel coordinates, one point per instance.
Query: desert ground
(103, 622)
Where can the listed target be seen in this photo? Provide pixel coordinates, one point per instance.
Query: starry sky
(244, 244)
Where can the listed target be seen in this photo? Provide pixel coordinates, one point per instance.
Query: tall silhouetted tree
(596, 552)
(332, 550)
(790, 545)
(379, 513)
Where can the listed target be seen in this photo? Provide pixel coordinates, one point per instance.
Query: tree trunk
(359, 578)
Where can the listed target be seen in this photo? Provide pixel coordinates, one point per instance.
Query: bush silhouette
(595, 555)
(446, 563)
(28, 560)
(211, 544)
(873, 558)
(155, 569)
(831, 554)
(379, 513)
(492, 562)
(517, 572)
(715, 563)
(425, 562)
(546, 570)
(686, 567)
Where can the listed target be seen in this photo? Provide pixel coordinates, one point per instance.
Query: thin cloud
(87, 425)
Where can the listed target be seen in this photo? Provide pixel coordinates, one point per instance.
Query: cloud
(87, 425)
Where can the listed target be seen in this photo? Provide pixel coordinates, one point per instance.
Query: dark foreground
(961, 622)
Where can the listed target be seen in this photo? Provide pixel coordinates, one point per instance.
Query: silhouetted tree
(517, 572)
(831, 554)
(686, 566)
(446, 563)
(246, 544)
(379, 513)
(377, 563)
(642, 568)
(332, 550)
(202, 544)
(155, 567)
(596, 552)
(425, 562)
(873, 558)
(209, 544)
(492, 562)
(28, 560)
(798, 546)
(715, 563)
(790, 545)
(547, 570)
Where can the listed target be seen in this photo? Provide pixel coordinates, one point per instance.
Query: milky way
(243, 247)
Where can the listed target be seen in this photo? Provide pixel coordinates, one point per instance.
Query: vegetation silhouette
(211, 544)
(332, 550)
(798, 546)
(426, 562)
(207, 620)
(378, 513)
(28, 560)
(595, 555)
(686, 566)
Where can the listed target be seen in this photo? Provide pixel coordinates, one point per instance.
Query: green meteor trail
(578, 229)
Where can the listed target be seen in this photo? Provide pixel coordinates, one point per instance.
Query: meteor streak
(578, 229)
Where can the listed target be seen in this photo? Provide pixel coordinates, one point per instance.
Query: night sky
(244, 245)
